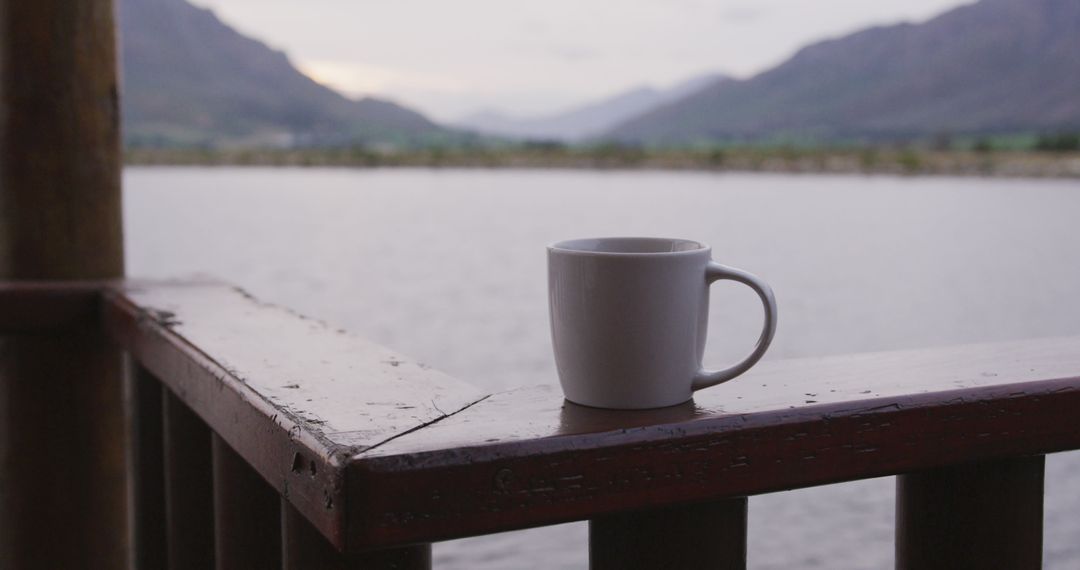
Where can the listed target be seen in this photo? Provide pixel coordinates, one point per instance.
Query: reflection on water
(448, 267)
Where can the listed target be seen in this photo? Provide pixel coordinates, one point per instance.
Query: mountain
(996, 66)
(585, 121)
(189, 79)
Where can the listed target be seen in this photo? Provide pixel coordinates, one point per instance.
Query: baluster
(247, 516)
(306, 549)
(189, 500)
(977, 515)
(147, 469)
(708, 535)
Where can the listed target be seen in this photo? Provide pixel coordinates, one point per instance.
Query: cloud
(359, 79)
(743, 13)
(575, 53)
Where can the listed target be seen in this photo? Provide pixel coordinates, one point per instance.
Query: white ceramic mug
(629, 318)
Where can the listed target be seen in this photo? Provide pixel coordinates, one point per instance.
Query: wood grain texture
(294, 397)
(338, 384)
(526, 458)
(808, 387)
(378, 453)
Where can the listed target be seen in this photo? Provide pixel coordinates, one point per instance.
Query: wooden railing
(262, 439)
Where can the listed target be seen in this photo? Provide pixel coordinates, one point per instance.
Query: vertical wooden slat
(147, 469)
(709, 535)
(189, 494)
(977, 515)
(63, 498)
(247, 516)
(305, 549)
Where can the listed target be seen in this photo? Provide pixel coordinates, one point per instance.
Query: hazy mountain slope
(585, 121)
(995, 66)
(190, 79)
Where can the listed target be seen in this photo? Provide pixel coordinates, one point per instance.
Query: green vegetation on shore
(1048, 156)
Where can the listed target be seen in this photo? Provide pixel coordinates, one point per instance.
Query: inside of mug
(629, 245)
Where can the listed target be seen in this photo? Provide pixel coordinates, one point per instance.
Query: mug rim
(563, 246)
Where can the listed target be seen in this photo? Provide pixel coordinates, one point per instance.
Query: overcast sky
(449, 58)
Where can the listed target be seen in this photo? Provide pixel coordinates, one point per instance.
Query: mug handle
(715, 272)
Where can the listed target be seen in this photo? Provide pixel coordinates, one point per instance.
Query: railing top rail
(527, 457)
(44, 306)
(292, 396)
(378, 451)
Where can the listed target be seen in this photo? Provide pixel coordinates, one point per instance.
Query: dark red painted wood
(147, 457)
(277, 387)
(526, 458)
(377, 452)
(976, 515)
(306, 549)
(189, 493)
(41, 307)
(247, 514)
(710, 535)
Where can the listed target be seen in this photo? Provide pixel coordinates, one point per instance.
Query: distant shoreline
(914, 162)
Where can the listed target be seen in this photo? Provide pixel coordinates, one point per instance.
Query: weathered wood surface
(294, 397)
(376, 451)
(61, 397)
(48, 306)
(526, 457)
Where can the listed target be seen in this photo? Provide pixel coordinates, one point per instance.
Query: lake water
(448, 266)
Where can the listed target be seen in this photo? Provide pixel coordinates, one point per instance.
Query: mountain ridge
(586, 120)
(989, 67)
(189, 79)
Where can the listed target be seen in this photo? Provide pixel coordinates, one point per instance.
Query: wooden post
(247, 519)
(62, 494)
(306, 549)
(977, 515)
(189, 487)
(707, 535)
